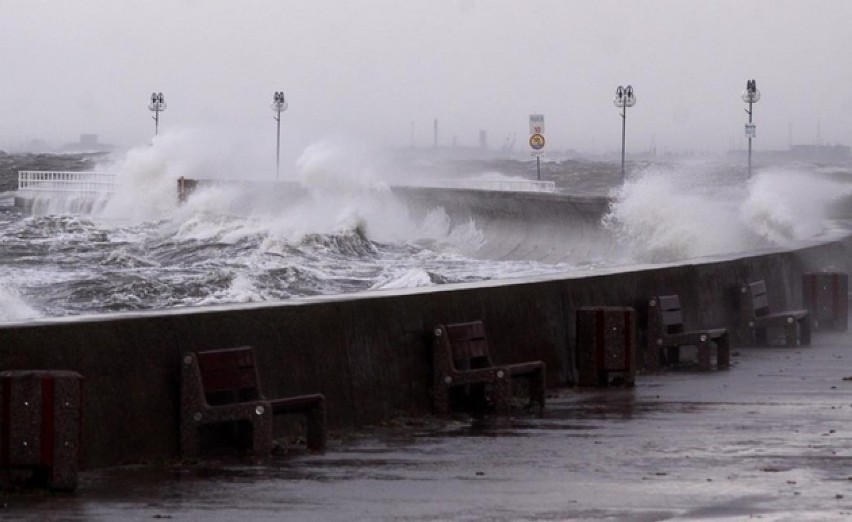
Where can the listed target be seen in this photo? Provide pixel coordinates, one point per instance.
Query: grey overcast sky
(369, 68)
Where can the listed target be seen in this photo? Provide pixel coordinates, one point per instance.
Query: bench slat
(760, 304)
(668, 302)
(234, 379)
(465, 331)
(226, 359)
(672, 318)
(465, 350)
(758, 288)
(228, 370)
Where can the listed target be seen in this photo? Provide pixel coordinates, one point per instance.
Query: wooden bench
(221, 386)
(461, 358)
(755, 313)
(666, 333)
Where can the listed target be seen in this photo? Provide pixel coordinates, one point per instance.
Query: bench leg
(189, 438)
(537, 389)
(723, 352)
(805, 330)
(791, 334)
(261, 435)
(672, 355)
(760, 337)
(477, 396)
(704, 355)
(316, 433)
(652, 357)
(441, 396)
(501, 394)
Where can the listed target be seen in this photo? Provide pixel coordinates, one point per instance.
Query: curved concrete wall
(370, 353)
(550, 228)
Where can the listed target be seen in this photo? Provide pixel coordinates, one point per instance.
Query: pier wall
(369, 353)
(531, 226)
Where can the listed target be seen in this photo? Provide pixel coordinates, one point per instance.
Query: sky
(380, 71)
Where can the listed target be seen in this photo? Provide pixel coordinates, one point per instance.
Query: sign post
(537, 140)
(623, 99)
(157, 105)
(751, 96)
(279, 105)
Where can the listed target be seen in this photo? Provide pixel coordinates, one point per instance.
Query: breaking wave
(695, 210)
(338, 228)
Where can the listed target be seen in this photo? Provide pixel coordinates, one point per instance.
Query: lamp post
(623, 98)
(157, 105)
(751, 96)
(279, 105)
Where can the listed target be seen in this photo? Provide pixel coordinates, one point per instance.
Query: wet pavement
(769, 439)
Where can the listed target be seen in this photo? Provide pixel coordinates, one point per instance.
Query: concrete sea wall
(370, 354)
(544, 227)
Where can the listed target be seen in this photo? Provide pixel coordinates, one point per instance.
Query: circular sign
(537, 141)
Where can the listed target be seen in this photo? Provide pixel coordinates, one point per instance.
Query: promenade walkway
(771, 439)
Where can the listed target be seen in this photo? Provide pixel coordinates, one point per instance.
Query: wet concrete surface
(769, 439)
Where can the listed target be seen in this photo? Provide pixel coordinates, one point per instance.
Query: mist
(381, 71)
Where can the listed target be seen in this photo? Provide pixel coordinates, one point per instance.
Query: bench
(755, 313)
(220, 386)
(666, 333)
(461, 358)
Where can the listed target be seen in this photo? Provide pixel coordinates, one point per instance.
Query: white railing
(507, 185)
(43, 181)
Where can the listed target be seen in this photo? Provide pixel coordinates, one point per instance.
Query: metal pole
(279, 105)
(538, 166)
(278, 147)
(156, 121)
(749, 140)
(623, 130)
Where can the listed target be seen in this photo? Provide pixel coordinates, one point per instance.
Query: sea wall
(370, 353)
(530, 226)
(549, 228)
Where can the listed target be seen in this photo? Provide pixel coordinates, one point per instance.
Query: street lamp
(623, 98)
(751, 96)
(279, 105)
(157, 105)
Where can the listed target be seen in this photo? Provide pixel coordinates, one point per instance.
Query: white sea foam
(409, 278)
(785, 205)
(343, 190)
(241, 290)
(343, 178)
(693, 210)
(13, 307)
(341, 229)
(437, 231)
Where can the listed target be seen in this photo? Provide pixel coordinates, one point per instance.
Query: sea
(139, 249)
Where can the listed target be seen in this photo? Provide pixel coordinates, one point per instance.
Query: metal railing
(44, 181)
